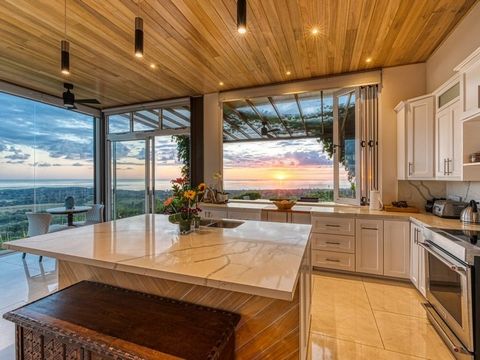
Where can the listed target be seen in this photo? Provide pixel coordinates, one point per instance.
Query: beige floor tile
(341, 309)
(328, 348)
(411, 335)
(395, 297)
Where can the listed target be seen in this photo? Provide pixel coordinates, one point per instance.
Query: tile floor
(353, 318)
(358, 318)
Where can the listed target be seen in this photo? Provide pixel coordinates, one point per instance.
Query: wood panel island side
(259, 270)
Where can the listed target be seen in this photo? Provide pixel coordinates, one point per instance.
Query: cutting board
(410, 209)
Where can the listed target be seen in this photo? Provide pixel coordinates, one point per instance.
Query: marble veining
(257, 257)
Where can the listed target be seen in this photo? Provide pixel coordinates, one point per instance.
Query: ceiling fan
(267, 132)
(69, 98)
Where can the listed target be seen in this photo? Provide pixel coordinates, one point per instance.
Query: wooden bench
(93, 321)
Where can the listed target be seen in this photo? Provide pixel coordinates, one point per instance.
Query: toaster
(449, 209)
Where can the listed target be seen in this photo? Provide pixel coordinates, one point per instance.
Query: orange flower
(189, 194)
(202, 187)
(168, 202)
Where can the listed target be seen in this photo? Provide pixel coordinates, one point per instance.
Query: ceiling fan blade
(87, 101)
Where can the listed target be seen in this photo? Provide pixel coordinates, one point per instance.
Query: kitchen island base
(268, 329)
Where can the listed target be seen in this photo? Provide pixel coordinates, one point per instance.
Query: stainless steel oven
(449, 293)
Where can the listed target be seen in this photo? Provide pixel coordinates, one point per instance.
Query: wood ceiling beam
(270, 99)
(242, 117)
(301, 113)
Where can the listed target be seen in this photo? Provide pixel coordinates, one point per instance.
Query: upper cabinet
(415, 138)
(469, 75)
(469, 71)
(448, 132)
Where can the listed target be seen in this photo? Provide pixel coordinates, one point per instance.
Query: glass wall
(46, 154)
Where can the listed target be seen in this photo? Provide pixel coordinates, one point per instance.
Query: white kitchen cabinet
(417, 260)
(277, 216)
(369, 246)
(396, 248)
(469, 71)
(333, 225)
(245, 214)
(213, 213)
(449, 152)
(415, 138)
(300, 218)
(333, 260)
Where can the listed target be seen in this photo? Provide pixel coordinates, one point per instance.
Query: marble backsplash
(468, 190)
(416, 193)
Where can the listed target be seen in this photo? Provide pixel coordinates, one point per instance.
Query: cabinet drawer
(277, 216)
(339, 243)
(244, 215)
(333, 225)
(333, 260)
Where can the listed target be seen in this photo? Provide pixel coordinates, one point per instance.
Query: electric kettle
(470, 213)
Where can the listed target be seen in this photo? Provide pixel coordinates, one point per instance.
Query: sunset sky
(53, 143)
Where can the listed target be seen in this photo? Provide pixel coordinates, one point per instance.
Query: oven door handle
(458, 268)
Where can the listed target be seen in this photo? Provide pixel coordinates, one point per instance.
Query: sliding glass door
(346, 146)
(129, 187)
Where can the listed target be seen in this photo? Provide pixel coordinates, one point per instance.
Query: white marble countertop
(258, 258)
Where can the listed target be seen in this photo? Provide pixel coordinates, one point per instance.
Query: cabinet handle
(333, 260)
(448, 166)
(332, 243)
(410, 168)
(444, 167)
(331, 225)
(369, 228)
(415, 237)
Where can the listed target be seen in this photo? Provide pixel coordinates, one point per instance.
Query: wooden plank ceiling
(195, 46)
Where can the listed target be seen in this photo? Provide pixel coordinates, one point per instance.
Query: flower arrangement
(183, 204)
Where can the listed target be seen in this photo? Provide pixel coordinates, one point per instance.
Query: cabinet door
(420, 139)
(300, 218)
(455, 164)
(277, 216)
(396, 252)
(414, 251)
(444, 141)
(422, 281)
(209, 213)
(369, 246)
(241, 214)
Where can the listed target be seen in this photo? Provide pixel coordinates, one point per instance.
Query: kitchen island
(259, 270)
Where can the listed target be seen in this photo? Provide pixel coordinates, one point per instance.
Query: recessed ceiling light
(153, 66)
(221, 83)
(368, 60)
(315, 31)
(288, 73)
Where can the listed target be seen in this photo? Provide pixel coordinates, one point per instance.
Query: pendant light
(242, 16)
(65, 49)
(138, 34)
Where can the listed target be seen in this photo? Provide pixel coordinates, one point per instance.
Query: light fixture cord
(65, 23)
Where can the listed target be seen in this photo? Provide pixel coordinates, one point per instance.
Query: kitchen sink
(223, 224)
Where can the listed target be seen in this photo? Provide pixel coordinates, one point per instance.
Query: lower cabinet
(396, 249)
(417, 260)
(245, 214)
(213, 213)
(369, 246)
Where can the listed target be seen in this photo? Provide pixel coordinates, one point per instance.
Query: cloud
(45, 164)
(16, 155)
(77, 164)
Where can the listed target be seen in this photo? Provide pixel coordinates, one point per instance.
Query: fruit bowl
(284, 204)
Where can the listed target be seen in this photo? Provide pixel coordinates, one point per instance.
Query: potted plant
(183, 204)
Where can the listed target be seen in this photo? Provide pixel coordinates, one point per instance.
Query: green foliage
(183, 153)
(250, 195)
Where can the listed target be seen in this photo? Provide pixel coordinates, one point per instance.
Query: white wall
(460, 43)
(398, 83)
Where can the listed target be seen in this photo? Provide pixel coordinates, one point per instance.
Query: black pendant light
(138, 37)
(242, 16)
(65, 49)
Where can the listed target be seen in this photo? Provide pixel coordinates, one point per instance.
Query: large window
(305, 145)
(46, 154)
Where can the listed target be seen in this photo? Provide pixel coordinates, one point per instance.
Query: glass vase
(185, 226)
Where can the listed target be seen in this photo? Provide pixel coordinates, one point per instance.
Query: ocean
(160, 184)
